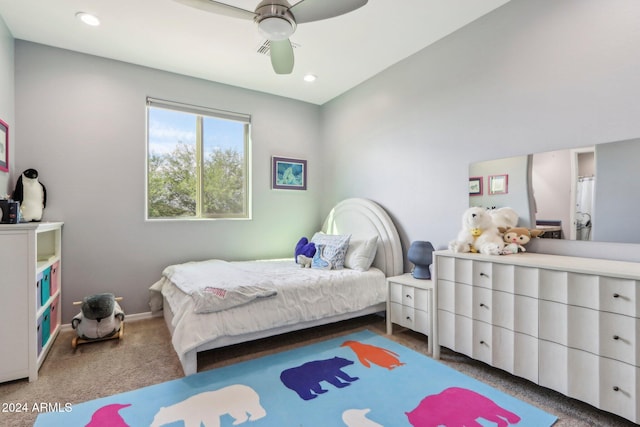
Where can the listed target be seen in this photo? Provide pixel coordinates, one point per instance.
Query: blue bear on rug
(305, 379)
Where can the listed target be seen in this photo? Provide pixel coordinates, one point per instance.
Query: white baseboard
(128, 318)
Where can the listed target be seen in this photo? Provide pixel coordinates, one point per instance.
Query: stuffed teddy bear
(304, 252)
(516, 238)
(100, 317)
(504, 217)
(478, 234)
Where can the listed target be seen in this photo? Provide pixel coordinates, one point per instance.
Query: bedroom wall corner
(527, 77)
(7, 100)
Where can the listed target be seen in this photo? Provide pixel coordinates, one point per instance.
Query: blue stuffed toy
(304, 252)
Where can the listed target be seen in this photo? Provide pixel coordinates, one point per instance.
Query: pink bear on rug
(459, 407)
(108, 416)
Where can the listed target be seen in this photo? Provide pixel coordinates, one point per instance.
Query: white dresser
(30, 295)
(566, 323)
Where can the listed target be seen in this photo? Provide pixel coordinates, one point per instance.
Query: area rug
(359, 380)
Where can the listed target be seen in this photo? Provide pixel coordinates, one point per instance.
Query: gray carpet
(145, 357)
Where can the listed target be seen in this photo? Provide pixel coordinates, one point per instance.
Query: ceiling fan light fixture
(276, 28)
(88, 18)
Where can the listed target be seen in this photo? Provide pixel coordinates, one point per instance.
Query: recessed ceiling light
(88, 18)
(310, 78)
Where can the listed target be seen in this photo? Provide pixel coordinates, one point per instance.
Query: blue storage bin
(45, 289)
(39, 291)
(46, 326)
(39, 333)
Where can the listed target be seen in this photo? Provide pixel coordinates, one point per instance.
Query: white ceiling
(163, 34)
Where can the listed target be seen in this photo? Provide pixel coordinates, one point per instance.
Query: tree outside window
(197, 162)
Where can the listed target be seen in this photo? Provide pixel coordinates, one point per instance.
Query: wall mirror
(589, 193)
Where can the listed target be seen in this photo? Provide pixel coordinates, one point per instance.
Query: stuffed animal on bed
(516, 238)
(478, 234)
(100, 317)
(304, 252)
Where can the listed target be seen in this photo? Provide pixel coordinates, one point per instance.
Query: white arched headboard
(363, 218)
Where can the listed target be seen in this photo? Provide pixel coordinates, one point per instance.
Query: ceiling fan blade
(315, 10)
(219, 8)
(281, 53)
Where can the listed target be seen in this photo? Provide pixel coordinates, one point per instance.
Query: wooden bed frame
(361, 218)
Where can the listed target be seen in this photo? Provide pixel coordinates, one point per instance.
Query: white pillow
(361, 253)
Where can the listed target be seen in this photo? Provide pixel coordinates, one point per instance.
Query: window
(197, 162)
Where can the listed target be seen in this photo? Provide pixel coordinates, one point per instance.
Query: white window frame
(200, 113)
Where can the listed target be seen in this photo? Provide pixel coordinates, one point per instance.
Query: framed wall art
(498, 184)
(288, 174)
(475, 186)
(4, 146)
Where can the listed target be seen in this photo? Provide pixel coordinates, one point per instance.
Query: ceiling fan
(277, 21)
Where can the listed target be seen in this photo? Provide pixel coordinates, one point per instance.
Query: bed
(304, 297)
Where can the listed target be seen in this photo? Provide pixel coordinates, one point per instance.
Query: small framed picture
(288, 174)
(475, 186)
(498, 184)
(4, 146)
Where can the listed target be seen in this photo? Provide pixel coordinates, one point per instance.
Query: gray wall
(7, 96)
(82, 126)
(528, 77)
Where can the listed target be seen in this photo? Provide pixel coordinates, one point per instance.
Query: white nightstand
(411, 303)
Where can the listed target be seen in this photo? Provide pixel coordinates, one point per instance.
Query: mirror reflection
(589, 193)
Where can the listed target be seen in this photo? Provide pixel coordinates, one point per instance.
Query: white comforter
(216, 285)
(303, 294)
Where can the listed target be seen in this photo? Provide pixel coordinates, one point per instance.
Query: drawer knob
(616, 295)
(616, 388)
(408, 296)
(482, 342)
(408, 318)
(484, 275)
(482, 304)
(616, 337)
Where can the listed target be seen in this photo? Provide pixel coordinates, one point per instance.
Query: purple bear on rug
(305, 379)
(459, 407)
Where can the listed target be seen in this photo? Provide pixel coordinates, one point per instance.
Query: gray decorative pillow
(334, 250)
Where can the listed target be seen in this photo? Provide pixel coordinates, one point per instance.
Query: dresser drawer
(553, 285)
(482, 342)
(395, 293)
(619, 337)
(446, 295)
(619, 388)
(446, 268)
(619, 296)
(482, 274)
(553, 323)
(482, 304)
(409, 317)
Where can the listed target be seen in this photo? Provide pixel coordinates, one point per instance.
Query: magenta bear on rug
(108, 416)
(459, 407)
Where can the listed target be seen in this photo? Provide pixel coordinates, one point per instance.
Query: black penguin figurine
(31, 194)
